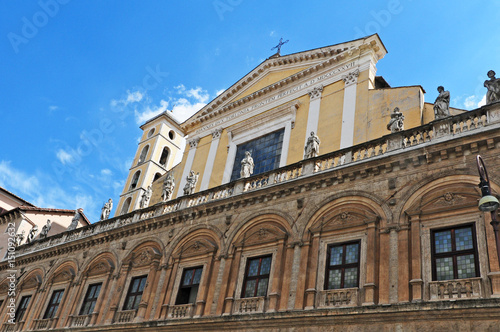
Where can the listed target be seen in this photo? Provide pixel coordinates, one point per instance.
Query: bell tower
(161, 147)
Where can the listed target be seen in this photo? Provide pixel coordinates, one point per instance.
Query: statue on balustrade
(493, 86)
(45, 230)
(247, 165)
(19, 238)
(168, 187)
(191, 181)
(106, 209)
(32, 234)
(397, 121)
(75, 220)
(146, 196)
(312, 146)
(442, 104)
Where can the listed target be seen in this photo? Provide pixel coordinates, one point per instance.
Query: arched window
(126, 205)
(135, 179)
(143, 155)
(157, 176)
(164, 157)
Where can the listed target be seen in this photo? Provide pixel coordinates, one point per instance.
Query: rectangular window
(23, 305)
(190, 282)
(257, 276)
(342, 266)
(454, 253)
(90, 299)
(266, 153)
(135, 293)
(54, 302)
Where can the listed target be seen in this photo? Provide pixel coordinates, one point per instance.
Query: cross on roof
(281, 43)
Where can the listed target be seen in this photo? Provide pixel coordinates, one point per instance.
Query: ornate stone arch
(199, 241)
(144, 253)
(101, 263)
(188, 234)
(64, 272)
(33, 279)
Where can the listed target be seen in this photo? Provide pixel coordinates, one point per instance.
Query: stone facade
(389, 196)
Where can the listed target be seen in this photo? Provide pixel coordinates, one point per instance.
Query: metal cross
(281, 43)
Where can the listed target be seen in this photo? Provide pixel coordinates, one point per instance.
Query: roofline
(17, 197)
(169, 117)
(49, 210)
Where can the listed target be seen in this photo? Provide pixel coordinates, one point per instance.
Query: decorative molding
(351, 78)
(316, 92)
(216, 133)
(193, 143)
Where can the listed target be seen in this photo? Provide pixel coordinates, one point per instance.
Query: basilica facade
(309, 196)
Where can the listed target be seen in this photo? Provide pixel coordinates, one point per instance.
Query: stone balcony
(345, 297)
(434, 132)
(456, 289)
(181, 311)
(125, 316)
(249, 305)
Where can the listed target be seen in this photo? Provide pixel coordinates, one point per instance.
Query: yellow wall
(362, 119)
(268, 80)
(200, 159)
(177, 171)
(220, 161)
(298, 133)
(330, 117)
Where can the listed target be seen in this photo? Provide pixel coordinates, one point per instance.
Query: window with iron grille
(342, 265)
(257, 276)
(454, 253)
(23, 305)
(188, 289)
(90, 299)
(266, 153)
(54, 302)
(134, 294)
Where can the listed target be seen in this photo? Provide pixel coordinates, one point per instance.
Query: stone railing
(11, 327)
(455, 289)
(437, 130)
(249, 305)
(344, 297)
(125, 316)
(181, 311)
(44, 324)
(83, 320)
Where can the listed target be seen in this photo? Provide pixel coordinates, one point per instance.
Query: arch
(135, 180)
(33, 279)
(261, 227)
(157, 176)
(126, 205)
(353, 207)
(190, 234)
(164, 156)
(144, 253)
(101, 263)
(143, 155)
(433, 189)
(64, 272)
(196, 241)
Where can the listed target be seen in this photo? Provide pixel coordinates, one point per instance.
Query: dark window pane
(463, 239)
(443, 241)
(336, 255)
(444, 268)
(250, 288)
(134, 295)
(188, 291)
(334, 279)
(466, 266)
(253, 268)
(351, 277)
(266, 266)
(262, 287)
(352, 253)
(342, 270)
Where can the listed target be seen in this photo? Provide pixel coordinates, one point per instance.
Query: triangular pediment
(277, 72)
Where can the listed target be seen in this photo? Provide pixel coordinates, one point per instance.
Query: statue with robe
(493, 86)
(442, 104)
(247, 165)
(168, 187)
(396, 123)
(311, 149)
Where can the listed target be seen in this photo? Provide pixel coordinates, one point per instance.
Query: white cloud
(198, 94)
(20, 182)
(106, 172)
(64, 156)
(219, 92)
(272, 33)
(132, 97)
(473, 102)
(482, 102)
(183, 109)
(149, 112)
(53, 108)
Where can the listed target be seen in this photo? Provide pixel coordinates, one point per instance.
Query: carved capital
(351, 78)
(316, 92)
(193, 143)
(216, 133)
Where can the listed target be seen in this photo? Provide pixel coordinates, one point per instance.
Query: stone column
(274, 295)
(107, 298)
(146, 294)
(38, 307)
(163, 282)
(384, 267)
(74, 303)
(301, 281)
(349, 109)
(62, 309)
(371, 265)
(211, 296)
(393, 265)
(314, 107)
(207, 173)
(203, 289)
(494, 274)
(312, 273)
(234, 267)
(97, 309)
(193, 144)
(115, 298)
(32, 307)
(169, 289)
(416, 281)
(287, 275)
(403, 266)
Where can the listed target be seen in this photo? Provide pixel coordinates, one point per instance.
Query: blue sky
(77, 78)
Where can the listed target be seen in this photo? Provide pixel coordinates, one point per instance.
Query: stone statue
(312, 146)
(32, 234)
(19, 238)
(247, 165)
(106, 209)
(493, 86)
(146, 196)
(191, 180)
(396, 124)
(45, 230)
(168, 187)
(442, 104)
(74, 221)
